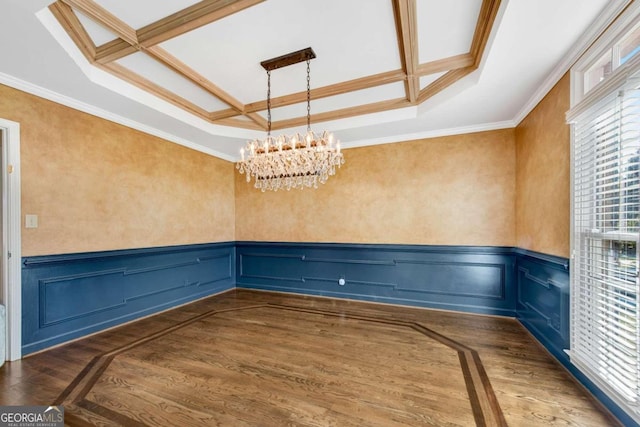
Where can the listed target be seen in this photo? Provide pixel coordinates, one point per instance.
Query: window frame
(580, 103)
(627, 19)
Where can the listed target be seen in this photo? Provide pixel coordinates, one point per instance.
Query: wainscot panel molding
(71, 295)
(475, 279)
(543, 297)
(543, 308)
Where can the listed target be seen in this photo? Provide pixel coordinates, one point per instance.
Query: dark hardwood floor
(247, 358)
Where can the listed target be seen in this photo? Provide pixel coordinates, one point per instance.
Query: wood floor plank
(262, 358)
(248, 364)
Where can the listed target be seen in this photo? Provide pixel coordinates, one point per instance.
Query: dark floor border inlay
(477, 382)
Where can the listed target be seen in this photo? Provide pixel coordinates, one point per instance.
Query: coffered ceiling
(386, 70)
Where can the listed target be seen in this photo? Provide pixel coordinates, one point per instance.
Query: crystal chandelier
(295, 161)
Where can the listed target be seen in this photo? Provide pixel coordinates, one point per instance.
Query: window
(605, 317)
(606, 215)
(613, 58)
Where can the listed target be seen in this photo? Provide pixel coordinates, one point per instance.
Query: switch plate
(31, 221)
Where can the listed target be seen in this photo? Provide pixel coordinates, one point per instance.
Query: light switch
(31, 221)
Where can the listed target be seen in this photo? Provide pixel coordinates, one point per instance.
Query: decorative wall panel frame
(463, 278)
(72, 295)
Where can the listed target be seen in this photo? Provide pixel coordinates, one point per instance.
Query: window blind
(606, 207)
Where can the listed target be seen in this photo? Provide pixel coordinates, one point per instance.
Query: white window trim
(595, 95)
(12, 267)
(604, 42)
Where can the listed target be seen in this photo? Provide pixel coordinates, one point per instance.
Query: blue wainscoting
(462, 278)
(68, 296)
(543, 297)
(543, 308)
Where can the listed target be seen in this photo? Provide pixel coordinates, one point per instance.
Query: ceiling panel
(447, 32)
(346, 100)
(139, 13)
(228, 52)
(97, 32)
(427, 80)
(147, 67)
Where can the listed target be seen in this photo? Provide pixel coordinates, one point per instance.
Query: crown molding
(483, 127)
(104, 114)
(595, 29)
(107, 115)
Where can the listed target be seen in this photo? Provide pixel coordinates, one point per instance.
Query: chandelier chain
(268, 102)
(308, 95)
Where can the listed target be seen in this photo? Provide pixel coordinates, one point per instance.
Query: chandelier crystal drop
(295, 161)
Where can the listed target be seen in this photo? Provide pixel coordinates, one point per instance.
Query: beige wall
(543, 167)
(456, 190)
(96, 185)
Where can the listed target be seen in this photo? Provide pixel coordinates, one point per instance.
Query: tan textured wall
(543, 168)
(456, 190)
(96, 185)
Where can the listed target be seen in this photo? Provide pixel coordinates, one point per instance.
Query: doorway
(10, 228)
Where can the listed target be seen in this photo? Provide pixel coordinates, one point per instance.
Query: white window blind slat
(606, 224)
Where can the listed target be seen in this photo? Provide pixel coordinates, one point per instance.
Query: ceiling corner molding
(613, 9)
(67, 101)
(507, 124)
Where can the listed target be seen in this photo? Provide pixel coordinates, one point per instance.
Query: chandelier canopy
(295, 161)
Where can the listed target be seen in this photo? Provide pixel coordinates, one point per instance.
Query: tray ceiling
(204, 57)
(386, 70)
